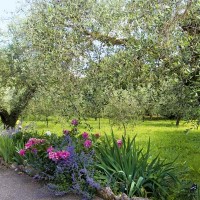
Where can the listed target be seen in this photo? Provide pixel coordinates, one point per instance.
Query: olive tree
(53, 44)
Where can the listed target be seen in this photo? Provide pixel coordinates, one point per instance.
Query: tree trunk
(47, 121)
(178, 120)
(99, 123)
(9, 120)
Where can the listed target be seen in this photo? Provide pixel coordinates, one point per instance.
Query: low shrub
(66, 163)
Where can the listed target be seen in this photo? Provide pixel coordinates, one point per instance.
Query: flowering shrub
(66, 163)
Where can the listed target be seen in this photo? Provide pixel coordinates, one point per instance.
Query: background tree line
(117, 59)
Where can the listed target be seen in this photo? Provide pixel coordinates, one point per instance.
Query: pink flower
(85, 135)
(87, 143)
(33, 141)
(22, 152)
(28, 145)
(42, 141)
(50, 149)
(119, 143)
(66, 132)
(64, 154)
(55, 156)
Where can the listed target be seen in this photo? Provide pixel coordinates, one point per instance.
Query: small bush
(66, 163)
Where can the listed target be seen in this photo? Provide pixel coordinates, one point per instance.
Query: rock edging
(107, 194)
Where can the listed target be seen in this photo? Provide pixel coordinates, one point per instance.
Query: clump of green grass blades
(7, 148)
(131, 170)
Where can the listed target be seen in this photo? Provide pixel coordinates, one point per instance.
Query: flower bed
(88, 164)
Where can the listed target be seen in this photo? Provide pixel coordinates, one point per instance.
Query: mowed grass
(167, 140)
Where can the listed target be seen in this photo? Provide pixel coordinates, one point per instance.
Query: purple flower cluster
(85, 135)
(66, 132)
(74, 122)
(87, 143)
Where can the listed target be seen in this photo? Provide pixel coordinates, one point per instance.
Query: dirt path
(14, 186)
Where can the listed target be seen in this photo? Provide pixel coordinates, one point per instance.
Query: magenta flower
(33, 141)
(50, 149)
(87, 143)
(64, 154)
(22, 152)
(74, 122)
(119, 143)
(66, 132)
(85, 135)
(55, 156)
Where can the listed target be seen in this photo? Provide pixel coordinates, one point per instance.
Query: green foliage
(74, 56)
(122, 108)
(131, 170)
(7, 148)
(186, 191)
(19, 144)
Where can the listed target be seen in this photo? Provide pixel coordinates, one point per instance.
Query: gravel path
(14, 186)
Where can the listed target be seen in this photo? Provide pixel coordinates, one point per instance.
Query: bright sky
(6, 9)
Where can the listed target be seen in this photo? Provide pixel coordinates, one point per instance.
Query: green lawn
(166, 139)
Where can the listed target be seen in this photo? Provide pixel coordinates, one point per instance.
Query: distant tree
(122, 108)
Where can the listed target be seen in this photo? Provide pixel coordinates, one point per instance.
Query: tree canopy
(79, 53)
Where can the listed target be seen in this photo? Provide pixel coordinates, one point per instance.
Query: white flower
(48, 133)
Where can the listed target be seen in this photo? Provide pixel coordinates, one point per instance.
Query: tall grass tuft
(130, 170)
(7, 148)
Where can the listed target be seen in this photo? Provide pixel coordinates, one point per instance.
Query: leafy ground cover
(167, 140)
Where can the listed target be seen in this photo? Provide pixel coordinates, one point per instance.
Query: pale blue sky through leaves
(7, 7)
